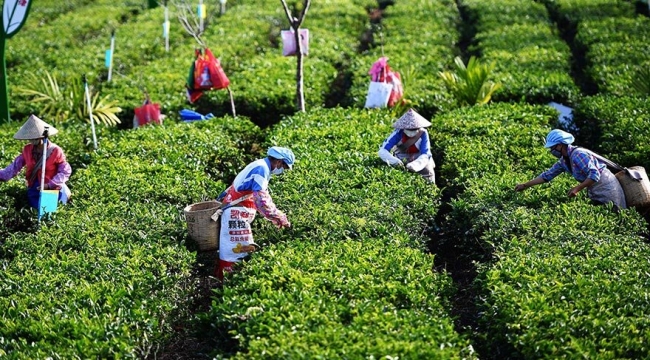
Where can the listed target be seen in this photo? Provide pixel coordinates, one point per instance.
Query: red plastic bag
(218, 76)
(208, 73)
(193, 95)
(148, 113)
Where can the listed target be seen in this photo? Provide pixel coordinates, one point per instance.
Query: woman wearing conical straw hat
(411, 143)
(57, 169)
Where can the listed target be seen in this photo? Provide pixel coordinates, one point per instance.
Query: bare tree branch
(187, 19)
(303, 13)
(288, 13)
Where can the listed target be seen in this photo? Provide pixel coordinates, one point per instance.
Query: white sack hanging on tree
(289, 47)
(378, 94)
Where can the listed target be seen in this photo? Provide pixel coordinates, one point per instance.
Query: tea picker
(247, 195)
(409, 146)
(588, 168)
(47, 169)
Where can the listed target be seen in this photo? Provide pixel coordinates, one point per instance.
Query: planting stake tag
(166, 29)
(107, 58)
(201, 11)
(202, 14)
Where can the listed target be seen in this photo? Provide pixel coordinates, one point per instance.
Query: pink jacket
(57, 169)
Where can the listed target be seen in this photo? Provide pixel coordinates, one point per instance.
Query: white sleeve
(388, 158)
(419, 163)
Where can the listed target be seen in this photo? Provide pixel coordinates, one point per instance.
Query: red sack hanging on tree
(217, 75)
(193, 95)
(208, 73)
(147, 113)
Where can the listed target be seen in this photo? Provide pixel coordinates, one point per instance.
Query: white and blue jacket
(397, 138)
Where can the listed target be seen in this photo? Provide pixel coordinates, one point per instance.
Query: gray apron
(608, 189)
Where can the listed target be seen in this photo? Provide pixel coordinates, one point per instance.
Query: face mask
(410, 133)
(35, 142)
(556, 153)
(277, 171)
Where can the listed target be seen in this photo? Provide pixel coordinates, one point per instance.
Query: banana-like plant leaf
(469, 84)
(58, 102)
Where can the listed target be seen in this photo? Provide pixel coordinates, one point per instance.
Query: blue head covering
(283, 154)
(557, 136)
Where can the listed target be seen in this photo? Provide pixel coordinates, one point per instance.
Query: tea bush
(262, 80)
(531, 61)
(106, 278)
(108, 275)
(618, 125)
(607, 41)
(555, 277)
(616, 51)
(351, 277)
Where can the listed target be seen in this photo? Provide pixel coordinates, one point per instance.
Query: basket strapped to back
(203, 221)
(634, 181)
(636, 186)
(200, 226)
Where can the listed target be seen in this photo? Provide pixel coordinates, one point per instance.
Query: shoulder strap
(607, 162)
(39, 164)
(410, 142)
(634, 174)
(223, 207)
(233, 203)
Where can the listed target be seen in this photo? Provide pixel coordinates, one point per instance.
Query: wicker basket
(200, 226)
(637, 193)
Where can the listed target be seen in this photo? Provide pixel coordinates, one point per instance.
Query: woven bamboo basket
(637, 193)
(200, 227)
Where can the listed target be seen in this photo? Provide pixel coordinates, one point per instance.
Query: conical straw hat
(33, 128)
(411, 120)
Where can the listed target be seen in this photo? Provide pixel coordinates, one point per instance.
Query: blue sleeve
(392, 140)
(425, 147)
(255, 180)
(554, 171)
(587, 164)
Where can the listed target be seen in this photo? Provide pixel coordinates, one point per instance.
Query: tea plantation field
(378, 263)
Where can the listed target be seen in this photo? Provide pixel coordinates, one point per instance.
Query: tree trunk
(300, 90)
(295, 25)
